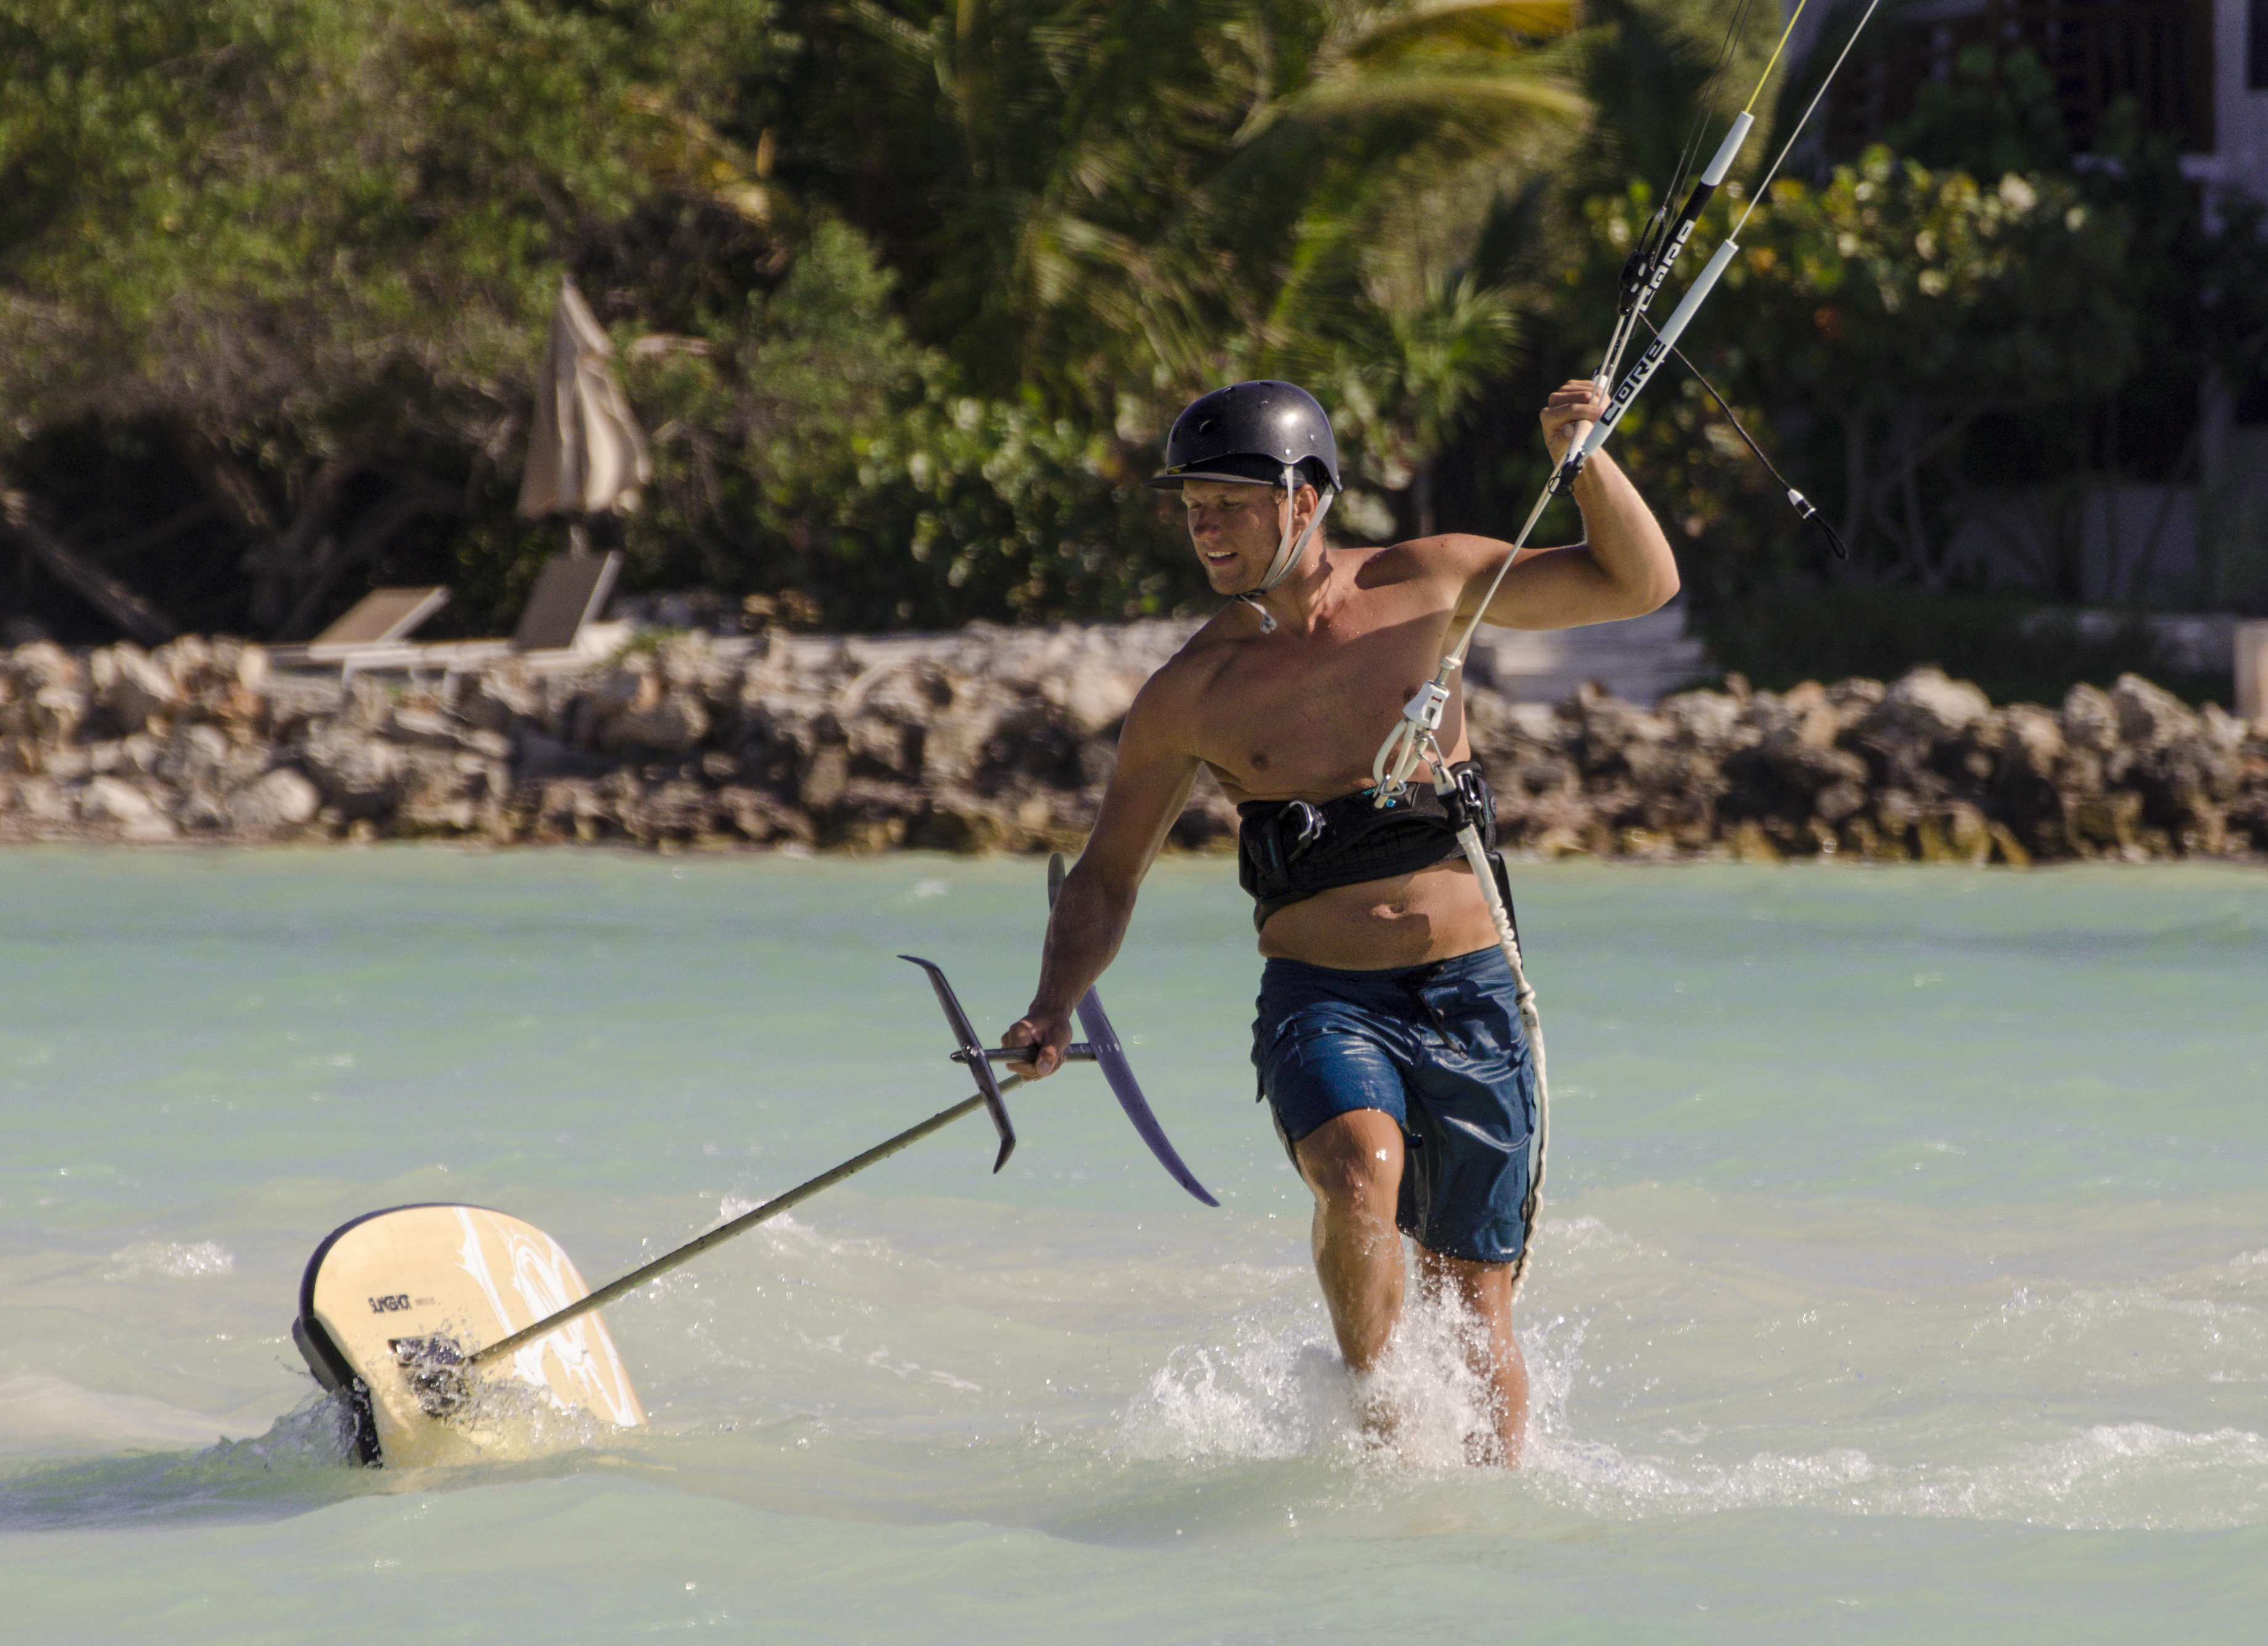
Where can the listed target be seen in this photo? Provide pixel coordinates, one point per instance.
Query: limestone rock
(2031, 741)
(2150, 716)
(42, 800)
(501, 699)
(1707, 718)
(760, 817)
(962, 729)
(1841, 800)
(420, 726)
(2089, 720)
(2221, 729)
(368, 704)
(1097, 697)
(280, 800)
(43, 663)
(1801, 754)
(355, 772)
(131, 687)
(436, 792)
(1003, 738)
(539, 756)
(417, 726)
(631, 685)
(1851, 699)
(57, 711)
(1924, 703)
(138, 817)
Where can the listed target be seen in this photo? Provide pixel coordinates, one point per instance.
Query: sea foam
(171, 1260)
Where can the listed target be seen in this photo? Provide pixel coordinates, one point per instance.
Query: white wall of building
(2239, 161)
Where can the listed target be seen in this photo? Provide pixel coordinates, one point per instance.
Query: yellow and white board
(400, 1299)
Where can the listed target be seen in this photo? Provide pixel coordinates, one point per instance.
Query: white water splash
(1279, 1389)
(171, 1260)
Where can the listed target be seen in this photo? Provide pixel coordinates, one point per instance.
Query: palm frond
(1453, 96)
(1460, 25)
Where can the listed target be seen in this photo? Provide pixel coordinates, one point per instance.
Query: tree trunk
(284, 558)
(90, 583)
(377, 527)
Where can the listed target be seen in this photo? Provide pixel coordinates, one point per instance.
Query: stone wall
(1001, 740)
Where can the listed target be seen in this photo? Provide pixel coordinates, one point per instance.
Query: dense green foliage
(1894, 306)
(285, 263)
(1964, 309)
(906, 292)
(905, 289)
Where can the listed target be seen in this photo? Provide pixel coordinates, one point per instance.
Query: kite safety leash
(1414, 743)
(1523, 994)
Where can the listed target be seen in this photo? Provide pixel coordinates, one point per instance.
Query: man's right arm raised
(1148, 787)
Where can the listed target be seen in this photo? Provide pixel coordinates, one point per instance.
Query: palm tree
(1094, 199)
(1432, 130)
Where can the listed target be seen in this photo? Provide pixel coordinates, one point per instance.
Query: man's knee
(1484, 1289)
(1353, 1162)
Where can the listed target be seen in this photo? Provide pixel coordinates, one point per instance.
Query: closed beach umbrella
(586, 455)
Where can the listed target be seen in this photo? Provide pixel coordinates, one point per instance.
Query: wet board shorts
(1439, 1048)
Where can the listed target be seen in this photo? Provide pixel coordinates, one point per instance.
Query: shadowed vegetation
(905, 292)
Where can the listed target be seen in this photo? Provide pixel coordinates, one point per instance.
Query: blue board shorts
(1439, 1048)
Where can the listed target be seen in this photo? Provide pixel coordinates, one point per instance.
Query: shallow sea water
(1904, 1273)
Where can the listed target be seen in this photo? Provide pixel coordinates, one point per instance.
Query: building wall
(2239, 159)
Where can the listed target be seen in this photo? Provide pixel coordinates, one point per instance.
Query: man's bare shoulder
(1451, 555)
(1196, 667)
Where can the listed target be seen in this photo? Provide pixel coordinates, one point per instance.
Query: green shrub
(812, 445)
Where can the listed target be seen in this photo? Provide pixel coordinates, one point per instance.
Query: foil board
(392, 1305)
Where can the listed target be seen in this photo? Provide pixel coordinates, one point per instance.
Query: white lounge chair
(556, 626)
(382, 618)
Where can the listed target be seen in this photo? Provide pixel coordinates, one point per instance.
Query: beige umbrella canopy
(586, 455)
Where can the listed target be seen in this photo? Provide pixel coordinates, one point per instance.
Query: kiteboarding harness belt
(1287, 850)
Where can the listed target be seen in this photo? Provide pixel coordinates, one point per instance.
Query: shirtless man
(1388, 1043)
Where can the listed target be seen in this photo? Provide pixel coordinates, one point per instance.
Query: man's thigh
(1324, 1061)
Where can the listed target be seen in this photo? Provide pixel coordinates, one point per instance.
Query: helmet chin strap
(1287, 552)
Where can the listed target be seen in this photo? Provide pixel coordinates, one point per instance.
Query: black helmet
(1252, 432)
(1258, 434)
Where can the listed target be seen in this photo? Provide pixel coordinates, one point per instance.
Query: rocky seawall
(999, 739)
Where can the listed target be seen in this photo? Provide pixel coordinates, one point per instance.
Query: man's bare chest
(1305, 718)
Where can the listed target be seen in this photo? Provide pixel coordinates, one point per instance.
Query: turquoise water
(1903, 1275)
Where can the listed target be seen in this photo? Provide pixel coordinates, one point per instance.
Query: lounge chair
(554, 626)
(381, 619)
(569, 592)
